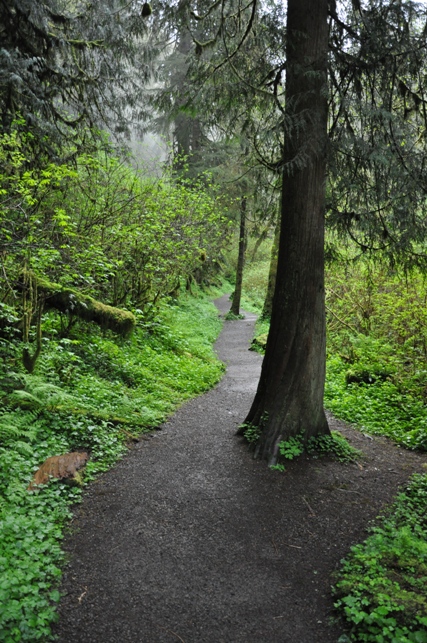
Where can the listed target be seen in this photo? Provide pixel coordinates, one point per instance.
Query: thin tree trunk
(235, 305)
(289, 399)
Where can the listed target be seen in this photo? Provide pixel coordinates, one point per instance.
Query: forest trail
(189, 539)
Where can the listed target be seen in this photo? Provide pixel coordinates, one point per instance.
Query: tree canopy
(67, 64)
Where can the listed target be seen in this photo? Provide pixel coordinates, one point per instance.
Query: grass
(90, 391)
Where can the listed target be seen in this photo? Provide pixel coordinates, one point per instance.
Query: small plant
(334, 445)
(232, 317)
(250, 432)
(277, 467)
(259, 343)
(292, 447)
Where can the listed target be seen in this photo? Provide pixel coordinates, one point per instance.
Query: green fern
(23, 448)
(17, 427)
(39, 394)
(24, 400)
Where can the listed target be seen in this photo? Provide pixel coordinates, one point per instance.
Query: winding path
(189, 539)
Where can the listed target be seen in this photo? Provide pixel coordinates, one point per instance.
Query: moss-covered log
(73, 302)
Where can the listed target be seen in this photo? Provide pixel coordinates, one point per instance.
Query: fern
(23, 448)
(16, 427)
(24, 400)
(38, 395)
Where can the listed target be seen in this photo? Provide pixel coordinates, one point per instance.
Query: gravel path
(189, 539)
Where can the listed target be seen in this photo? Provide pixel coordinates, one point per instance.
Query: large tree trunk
(237, 295)
(271, 285)
(289, 399)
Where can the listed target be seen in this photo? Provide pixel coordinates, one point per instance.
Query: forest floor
(190, 539)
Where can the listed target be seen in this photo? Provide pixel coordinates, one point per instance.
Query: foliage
(65, 65)
(89, 391)
(250, 432)
(382, 584)
(376, 192)
(96, 236)
(292, 447)
(335, 446)
(376, 374)
(232, 317)
(259, 343)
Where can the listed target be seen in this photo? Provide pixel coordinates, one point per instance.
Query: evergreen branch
(208, 12)
(333, 14)
(245, 35)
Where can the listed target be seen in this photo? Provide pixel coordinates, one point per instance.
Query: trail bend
(189, 539)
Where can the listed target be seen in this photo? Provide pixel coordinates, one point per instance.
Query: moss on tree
(73, 302)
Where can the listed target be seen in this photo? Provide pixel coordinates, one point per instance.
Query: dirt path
(189, 539)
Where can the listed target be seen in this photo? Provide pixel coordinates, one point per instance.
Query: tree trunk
(289, 399)
(187, 131)
(268, 302)
(235, 305)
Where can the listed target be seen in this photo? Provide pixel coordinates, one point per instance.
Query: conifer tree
(65, 65)
(375, 155)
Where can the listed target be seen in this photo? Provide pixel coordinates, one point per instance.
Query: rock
(64, 467)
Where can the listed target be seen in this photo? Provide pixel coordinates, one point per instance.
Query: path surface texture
(189, 539)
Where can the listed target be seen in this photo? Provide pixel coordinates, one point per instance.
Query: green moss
(71, 301)
(259, 343)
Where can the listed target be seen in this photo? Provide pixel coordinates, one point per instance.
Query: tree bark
(235, 304)
(289, 399)
(187, 131)
(271, 286)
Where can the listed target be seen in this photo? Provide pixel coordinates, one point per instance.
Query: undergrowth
(90, 391)
(335, 446)
(381, 589)
(377, 351)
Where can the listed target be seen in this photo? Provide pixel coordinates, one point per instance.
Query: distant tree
(237, 294)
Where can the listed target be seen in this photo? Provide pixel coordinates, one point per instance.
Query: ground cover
(93, 392)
